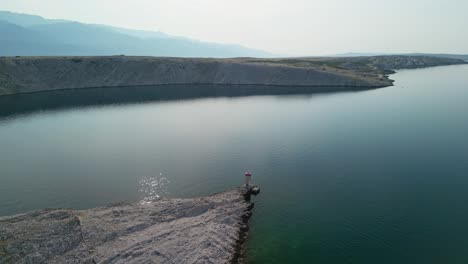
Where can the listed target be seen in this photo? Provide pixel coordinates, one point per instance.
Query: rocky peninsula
(35, 74)
(200, 230)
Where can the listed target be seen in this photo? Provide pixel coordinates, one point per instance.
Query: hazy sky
(289, 27)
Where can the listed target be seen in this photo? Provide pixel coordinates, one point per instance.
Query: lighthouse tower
(247, 178)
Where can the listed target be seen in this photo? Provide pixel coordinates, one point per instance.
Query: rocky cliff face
(19, 75)
(202, 230)
(33, 74)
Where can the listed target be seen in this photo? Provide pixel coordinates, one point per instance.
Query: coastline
(208, 229)
(330, 88)
(25, 103)
(35, 74)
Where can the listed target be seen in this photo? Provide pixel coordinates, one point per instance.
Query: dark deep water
(376, 176)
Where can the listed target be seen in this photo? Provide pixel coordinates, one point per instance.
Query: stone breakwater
(35, 74)
(199, 230)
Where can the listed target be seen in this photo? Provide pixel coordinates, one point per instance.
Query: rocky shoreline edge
(34, 74)
(210, 229)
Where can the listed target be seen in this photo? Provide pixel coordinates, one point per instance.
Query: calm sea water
(376, 176)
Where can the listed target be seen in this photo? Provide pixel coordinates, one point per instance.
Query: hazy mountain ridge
(32, 35)
(371, 54)
(29, 35)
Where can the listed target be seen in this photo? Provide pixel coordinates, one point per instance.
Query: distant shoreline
(25, 103)
(37, 74)
(330, 88)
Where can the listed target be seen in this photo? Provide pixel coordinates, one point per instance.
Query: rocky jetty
(200, 230)
(34, 74)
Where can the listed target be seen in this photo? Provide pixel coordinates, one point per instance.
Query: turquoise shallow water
(374, 176)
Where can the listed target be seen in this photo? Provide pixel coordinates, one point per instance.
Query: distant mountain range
(439, 55)
(30, 35)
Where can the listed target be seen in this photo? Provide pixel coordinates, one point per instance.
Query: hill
(368, 54)
(34, 74)
(29, 35)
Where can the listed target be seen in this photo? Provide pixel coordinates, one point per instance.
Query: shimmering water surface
(376, 176)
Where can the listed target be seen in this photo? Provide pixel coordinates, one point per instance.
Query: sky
(286, 27)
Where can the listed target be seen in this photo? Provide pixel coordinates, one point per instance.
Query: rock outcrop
(200, 230)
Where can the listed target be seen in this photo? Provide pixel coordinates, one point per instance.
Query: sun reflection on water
(154, 188)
